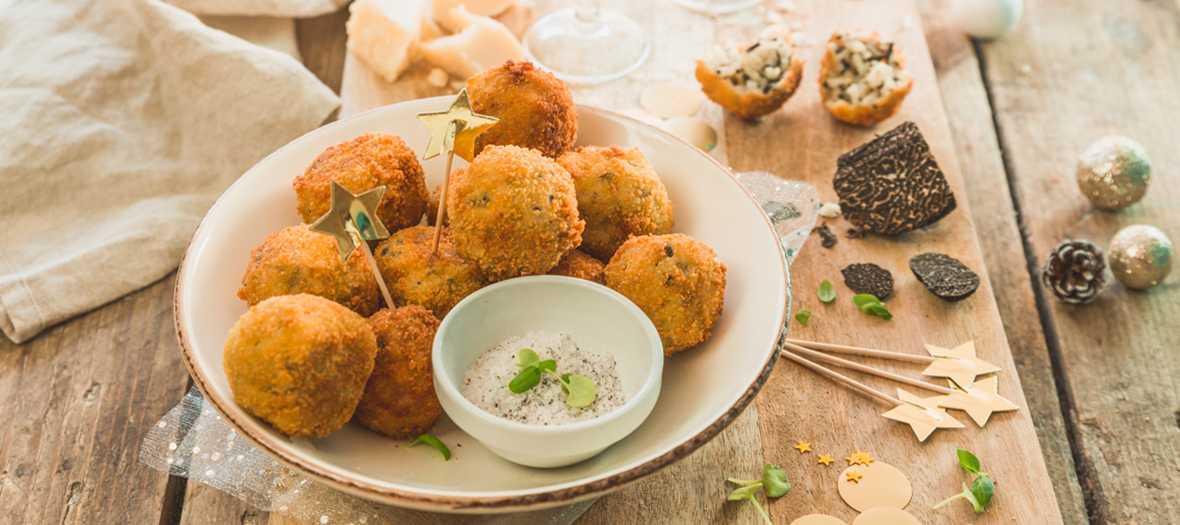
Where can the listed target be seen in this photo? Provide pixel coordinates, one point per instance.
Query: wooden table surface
(1100, 382)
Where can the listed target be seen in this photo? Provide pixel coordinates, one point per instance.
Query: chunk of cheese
(442, 9)
(481, 43)
(384, 34)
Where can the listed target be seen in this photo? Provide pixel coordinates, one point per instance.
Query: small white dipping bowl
(598, 319)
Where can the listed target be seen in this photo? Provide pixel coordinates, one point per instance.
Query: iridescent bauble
(1114, 173)
(1140, 256)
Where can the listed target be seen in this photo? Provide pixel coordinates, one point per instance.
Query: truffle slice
(945, 276)
(868, 278)
(892, 184)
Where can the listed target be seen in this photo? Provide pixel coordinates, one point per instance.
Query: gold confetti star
(923, 415)
(980, 401)
(803, 447)
(459, 138)
(826, 459)
(861, 458)
(853, 476)
(351, 219)
(959, 364)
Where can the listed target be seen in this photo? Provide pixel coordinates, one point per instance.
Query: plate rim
(528, 500)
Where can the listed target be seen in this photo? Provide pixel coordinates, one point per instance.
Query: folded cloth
(123, 120)
(283, 8)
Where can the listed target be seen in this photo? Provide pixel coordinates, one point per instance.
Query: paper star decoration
(803, 447)
(826, 459)
(853, 476)
(860, 457)
(460, 137)
(980, 401)
(958, 364)
(923, 415)
(352, 219)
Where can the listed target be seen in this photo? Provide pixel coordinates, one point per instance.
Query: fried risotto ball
(576, 263)
(297, 260)
(399, 400)
(300, 362)
(359, 165)
(619, 195)
(432, 207)
(513, 212)
(536, 110)
(414, 275)
(676, 280)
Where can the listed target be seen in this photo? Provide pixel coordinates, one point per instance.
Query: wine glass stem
(587, 12)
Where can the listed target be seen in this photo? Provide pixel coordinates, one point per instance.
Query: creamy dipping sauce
(486, 383)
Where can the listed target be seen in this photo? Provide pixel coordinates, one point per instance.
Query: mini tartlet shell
(861, 114)
(753, 104)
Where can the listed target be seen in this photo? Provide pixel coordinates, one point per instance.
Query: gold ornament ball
(1114, 173)
(1140, 256)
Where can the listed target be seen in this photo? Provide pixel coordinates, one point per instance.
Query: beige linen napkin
(122, 121)
(283, 8)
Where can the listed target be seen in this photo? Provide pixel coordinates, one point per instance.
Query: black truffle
(826, 237)
(945, 276)
(868, 278)
(892, 184)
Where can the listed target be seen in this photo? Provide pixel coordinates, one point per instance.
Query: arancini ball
(414, 275)
(399, 400)
(536, 110)
(576, 263)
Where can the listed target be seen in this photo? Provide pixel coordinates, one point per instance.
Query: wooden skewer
(453, 129)
(377, 272)
(868, 370)
(896, 356)
(841, 378)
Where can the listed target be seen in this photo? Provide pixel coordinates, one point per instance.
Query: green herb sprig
(774, 480)
(580, 389)
(803, 316)
(869, 304)
(981, 490)
(434, 442)
(827, 292)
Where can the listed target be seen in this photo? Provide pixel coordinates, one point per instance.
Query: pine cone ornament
(1075, 271)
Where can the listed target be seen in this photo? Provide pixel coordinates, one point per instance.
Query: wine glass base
(717, 6)
(586, 52)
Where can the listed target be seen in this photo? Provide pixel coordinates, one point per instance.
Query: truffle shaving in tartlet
(862, 80)
(754, 81)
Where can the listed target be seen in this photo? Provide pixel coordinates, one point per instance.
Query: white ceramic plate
(704, 388)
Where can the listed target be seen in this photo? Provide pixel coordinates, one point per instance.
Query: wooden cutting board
(802, 142)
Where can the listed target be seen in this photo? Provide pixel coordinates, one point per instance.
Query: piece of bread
(384, 34)
(753, 82)
(862, 80)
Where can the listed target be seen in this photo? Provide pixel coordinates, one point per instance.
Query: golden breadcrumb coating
(359, 165)
(414, 275)
(297, 260)
(619, 195)
(860, 113)
(399, 400)
(576, 263)
(677, 281)
(750, 103)
(536, 110)
(300, 363)
(513, 212)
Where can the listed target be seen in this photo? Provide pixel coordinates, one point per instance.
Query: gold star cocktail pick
(980, 401)
(921, 414)
(352, 221)
(452, 132)
(959, 364)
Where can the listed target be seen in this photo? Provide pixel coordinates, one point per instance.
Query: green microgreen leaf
(983, 489)
(879, 311)
(528, 358)
(547, 365)
(860, 300)
(827, 292)
(969, 462)
(775, 481)
(747, 493)
(803, 316)
(434, 442)
(581, 390)
(525, 380)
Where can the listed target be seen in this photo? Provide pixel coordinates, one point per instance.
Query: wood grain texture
(205, 505)
(970, 117)
(321, 43)
(1112, 69)
(78, 400)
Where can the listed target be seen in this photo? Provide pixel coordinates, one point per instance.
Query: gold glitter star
(826, 459)
(959, 364)
(803, 447)
(853, 476)
(351, 219)
(460, 137)
(859, 458)
(980, 401)
(923, 415)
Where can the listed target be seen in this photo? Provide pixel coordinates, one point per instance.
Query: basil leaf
(878, 310)
(434, 442)
(581, 390)
(775, 481)
(526, 379)
(969, 462)
(827, 293)
(528, 358)
(982, 490)
(865, 298)
(746, 492)
(803, 316)
(547, 365)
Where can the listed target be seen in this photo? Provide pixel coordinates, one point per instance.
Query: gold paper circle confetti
(1114, 173)
(693, 130)
(882, 485)
(668, 100)
(818, 519)
(885, 516)
(1140, 256)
